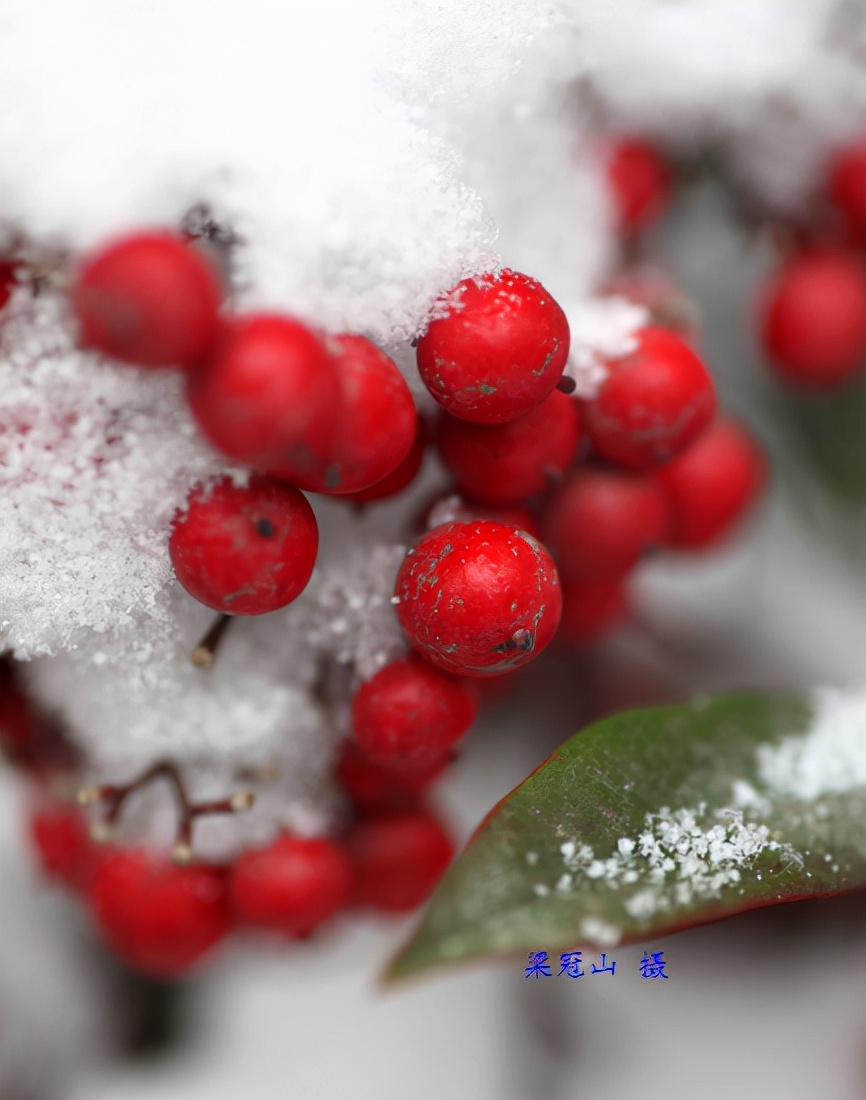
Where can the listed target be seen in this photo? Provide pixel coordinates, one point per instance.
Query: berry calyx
(268, 394)
(410, 713)
(244, 550)
(503, 463)
(653, 403)
(378, 418)
(398, 859)
(599, 523)
(290, 887)
(711, 485)
(159, 918)
(478, 599)
(641, 183)
(846, 187)
(147, 299)
(813, 318)
(61, 838)
(499, 352)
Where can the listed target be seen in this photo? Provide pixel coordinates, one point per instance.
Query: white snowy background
(366, 156)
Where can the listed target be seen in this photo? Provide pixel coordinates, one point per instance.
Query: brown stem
(114, 798)
(205, 652)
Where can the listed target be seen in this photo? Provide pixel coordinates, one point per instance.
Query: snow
(361, 159)
(830, 758)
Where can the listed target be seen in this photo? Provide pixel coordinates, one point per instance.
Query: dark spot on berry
(265, 528)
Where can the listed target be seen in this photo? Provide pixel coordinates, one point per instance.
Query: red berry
(268, 395)
(501, 463)
(373, 787)
(478, 599)
(62, 841)
(398, 858)
(846, 186)
(590, 610)
(599, 523)
(450, 507)
(813, 318)
(28, 739)
(401, 476)
(148, 299)
(378, 418)
(291, 886)
(7, 281)
(653, 403)
(499, 352)
(244, 551)
(410, 713)
(641, 182)
(159, 918)
(711, 485)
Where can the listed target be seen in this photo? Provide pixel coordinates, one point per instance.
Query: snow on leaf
(658, 819)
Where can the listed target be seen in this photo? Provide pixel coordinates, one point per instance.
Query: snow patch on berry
(601, 329)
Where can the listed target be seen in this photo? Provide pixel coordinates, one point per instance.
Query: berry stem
(566, 384)
(204, 654)
(114, 798)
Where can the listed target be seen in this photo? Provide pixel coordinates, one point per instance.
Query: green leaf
(654, 820)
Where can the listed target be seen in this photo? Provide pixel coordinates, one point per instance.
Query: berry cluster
(555, 498)
(812, 311)
(162, 912)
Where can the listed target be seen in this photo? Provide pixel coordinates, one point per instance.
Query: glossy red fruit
(61, 839)
(159, 918)
(372, 786)
(290, 887)
(846, 187)
(653, 403)
(377, 421)
(400, 477)
(478, 599)
(712, 484)
(503, 463)
(813, 318)
(244, 550)
(410, 713)
(641, 183)
(600, 522)
(398, 858)
(147, 299)
(499, 352)
(268, 394)
(590, 610)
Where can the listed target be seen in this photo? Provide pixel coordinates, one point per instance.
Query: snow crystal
(679, 858)
(830, 757)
